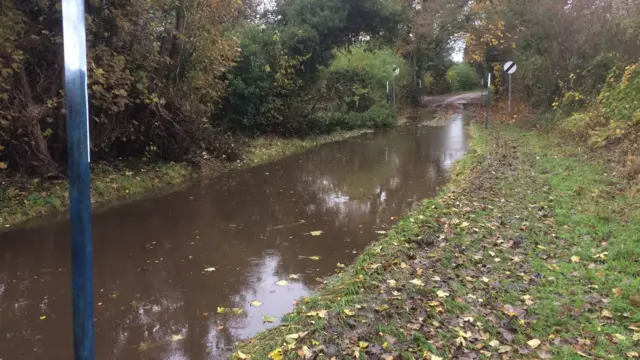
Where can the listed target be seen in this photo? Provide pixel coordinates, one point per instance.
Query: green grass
(531, 252)
(23, 197)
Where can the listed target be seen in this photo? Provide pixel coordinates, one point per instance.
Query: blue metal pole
(75, 66)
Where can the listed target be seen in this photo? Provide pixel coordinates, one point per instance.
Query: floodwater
(157, 292)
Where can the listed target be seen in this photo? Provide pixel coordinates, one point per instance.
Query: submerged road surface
(175, 275)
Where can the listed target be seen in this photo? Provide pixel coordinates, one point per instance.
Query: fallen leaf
(222, 310)
(417, 282)
(392, 282)
(620, 336)
(282, 283)
(242, 355)
(319, 313)
(348, 312)
(442, 293)
(177, 337)
(534, 343)
(291, 338)
(617, 292)
(340, 265)
(606, 313)
(209, 269)
(3, 165)
(635, 300)
(43, 317)
(504, 348)
(575, 259)
(294, 276)
(268, 319)
(237, 311)
(305, 353)
(633, 354)
(316, 233)
(314, 257)
(363, 345)
(255, 303)
(276, 354)
(494, 343)
(381, 232)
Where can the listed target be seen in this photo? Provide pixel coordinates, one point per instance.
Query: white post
(509, 93)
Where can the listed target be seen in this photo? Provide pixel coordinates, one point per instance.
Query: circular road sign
(510, 67)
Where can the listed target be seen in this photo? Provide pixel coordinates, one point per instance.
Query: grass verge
(23, 197)
(532, 251)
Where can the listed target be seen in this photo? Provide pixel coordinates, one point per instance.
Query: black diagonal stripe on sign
(510, 67)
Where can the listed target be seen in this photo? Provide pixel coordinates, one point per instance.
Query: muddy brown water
(155, 298)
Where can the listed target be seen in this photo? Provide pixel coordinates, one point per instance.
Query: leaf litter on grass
(492, 268)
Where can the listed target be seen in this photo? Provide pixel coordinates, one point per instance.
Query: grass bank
(23, 197)
(532, 251)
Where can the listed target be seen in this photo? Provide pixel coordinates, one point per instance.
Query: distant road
(447, 99)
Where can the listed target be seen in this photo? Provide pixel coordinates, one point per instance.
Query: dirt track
(451, 99)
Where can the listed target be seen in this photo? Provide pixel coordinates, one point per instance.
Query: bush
(462, 77)
(378, 116)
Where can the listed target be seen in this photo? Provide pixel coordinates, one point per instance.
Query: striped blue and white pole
(75, 66)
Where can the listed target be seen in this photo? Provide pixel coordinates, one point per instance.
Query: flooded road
(163, 266)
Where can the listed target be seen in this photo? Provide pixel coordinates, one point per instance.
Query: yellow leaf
(237, 311)
(294, 276)
(2, 165)
(606, 313)
(575, 259)
(348, 312)
(636, 337)
(282, 283)
(255, 303)
(316, 233)
(633, 354)
(43, 317)
(276, 354)
(363, 345)
(417, 282)
(222, 310)
(494, 343)
(340, 265)
(242, 355)
(315, 257)
(620, 336)
(268, 319)
(177, 337)
(391, 283)
(534, 343)
(291, 338)
(442, 294)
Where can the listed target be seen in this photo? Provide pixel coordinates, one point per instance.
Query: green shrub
(462, 77)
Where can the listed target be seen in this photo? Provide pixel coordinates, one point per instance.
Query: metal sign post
(510, 67)
(486, 119)
(75, 66)
(482, 93)
(396, 71)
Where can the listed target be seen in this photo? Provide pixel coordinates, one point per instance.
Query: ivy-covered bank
(530, 252)
(22, 198)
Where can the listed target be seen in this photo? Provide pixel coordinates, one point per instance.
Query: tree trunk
(40, 160)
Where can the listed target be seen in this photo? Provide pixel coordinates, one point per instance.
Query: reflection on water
(157, 295)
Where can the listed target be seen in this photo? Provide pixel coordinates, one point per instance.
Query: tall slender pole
(394, 91)
(486, 120)
(77, 107)
(482, 93)
(509, 93)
